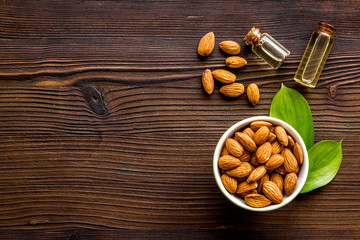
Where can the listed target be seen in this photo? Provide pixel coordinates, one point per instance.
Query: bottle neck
(253, 37)
(326, 28)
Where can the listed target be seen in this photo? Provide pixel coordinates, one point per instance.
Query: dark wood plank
(106, 132)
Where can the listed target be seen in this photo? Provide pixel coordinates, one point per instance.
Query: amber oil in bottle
(315, 55)
(266, 47)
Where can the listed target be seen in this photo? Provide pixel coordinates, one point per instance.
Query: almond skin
(245, 157)
(253, 93)
(298, 152)
(245, 187)
(232, 90)
(257, 201)
(230, 47)
(290, 162)
(228, 162)
(261, 135)
(243, 170)
(290, 183)
(274, 162)
(261, 182)
(244, 194)
(256, 174)
(234, 147)
(281, 135)
(272, 192)
(235, 62)
(249, 132)
(254, 161)
(224, 151)
(208, 81)
(229, 183)
(291, 142)
(245, 141)
(278, 180)
(263, 153)
(276, 147)
(206, 44)
(258, 124)
(224, 76)
(272, 137)
(281, 170)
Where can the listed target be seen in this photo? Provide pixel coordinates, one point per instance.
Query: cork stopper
(326, 28)
(253, 36)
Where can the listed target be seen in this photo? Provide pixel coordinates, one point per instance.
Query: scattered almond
(208, 81)
(224, 76)
(232, 90)
(235, 62)
(253, 93)
(230, 47)
(206, 44)
(257, 200)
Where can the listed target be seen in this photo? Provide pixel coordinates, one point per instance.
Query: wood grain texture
(106, 132)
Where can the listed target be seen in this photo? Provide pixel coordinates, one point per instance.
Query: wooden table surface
(106, 132)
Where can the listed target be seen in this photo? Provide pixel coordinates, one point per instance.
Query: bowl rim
(302, 175)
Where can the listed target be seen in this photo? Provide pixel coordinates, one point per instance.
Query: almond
(235, 62)
(253, 93)
(291, 142)
(243, 170)
(272, 137)
(256, 174)
(244, 194)
(281, 170)
(228, 162)
(245, 157)
(290, 162)
(274, 162)
(272, 192)
(224, 151)
(249, 132)
(232, 90)
(258, 124)
(263, 153)
(206, 44)
(229, 183)
(257, 200)
(281, 135)
(234, 147)
(278, 180)
(254, 161)
(261, 135)
(276, 147)
(290, 183)
(230, 47)
(245, 141)
(224, 76)
(245, 187)
(272, 129)
(208, 81)
(298, 152)
(261, 182)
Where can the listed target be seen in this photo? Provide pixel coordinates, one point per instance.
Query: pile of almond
(260, 164)
(232, 89)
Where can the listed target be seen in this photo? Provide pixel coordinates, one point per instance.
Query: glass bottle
(315, 55)
(266, 47)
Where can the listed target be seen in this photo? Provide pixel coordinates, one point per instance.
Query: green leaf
(290, 106)
(324, 162)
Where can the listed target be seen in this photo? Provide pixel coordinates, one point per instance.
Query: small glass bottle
(315, 55)
(266, 47)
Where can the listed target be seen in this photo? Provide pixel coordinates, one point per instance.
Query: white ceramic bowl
(241, 125)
